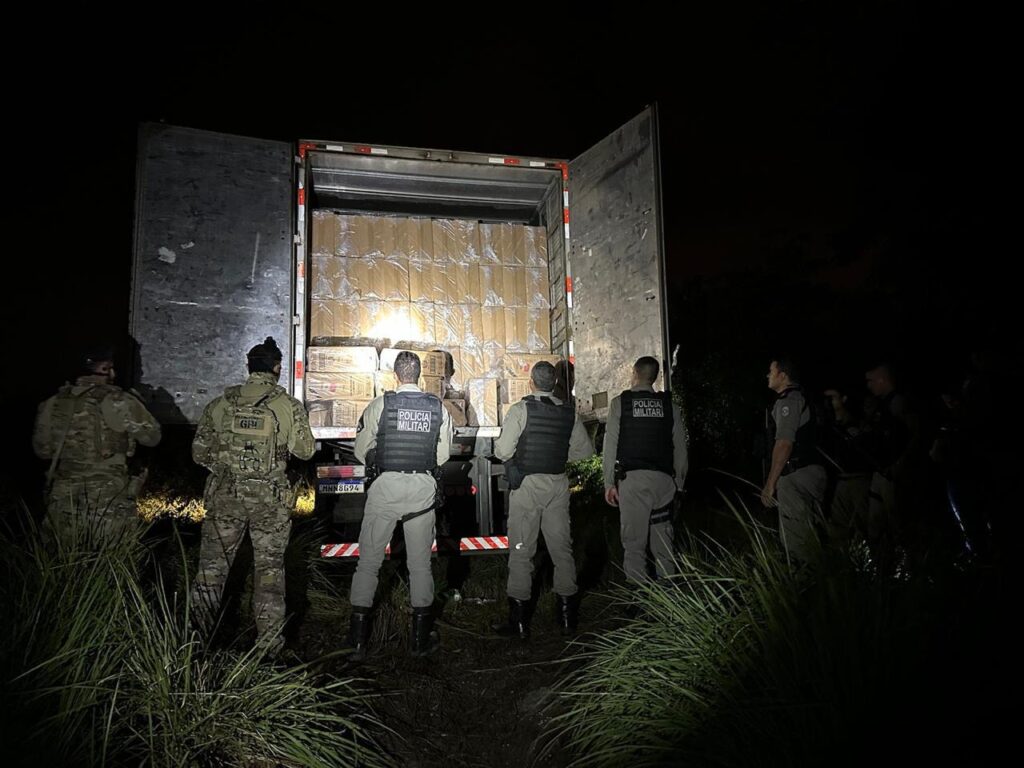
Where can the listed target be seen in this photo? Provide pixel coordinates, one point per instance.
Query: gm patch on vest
(413, 421)
(648, 407)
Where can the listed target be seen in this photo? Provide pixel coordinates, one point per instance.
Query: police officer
(244, 438)
(539, 435)
(796, 472)
(88, 430)
(403, 437)
(645, 464)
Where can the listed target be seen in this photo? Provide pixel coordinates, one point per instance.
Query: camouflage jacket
(91, 427)
(213, 446)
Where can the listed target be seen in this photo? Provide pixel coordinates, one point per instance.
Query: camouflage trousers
(100, 504)
(230, 511)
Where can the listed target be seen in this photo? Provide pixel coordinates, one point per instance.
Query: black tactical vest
(645, 432)
(408, 431)
(805, 447)
(543, 447)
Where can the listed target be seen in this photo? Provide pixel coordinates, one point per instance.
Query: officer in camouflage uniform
(403, 437)
(244, 438)
(646, 438)
(88, 430)
(539, 435)
(796, 472)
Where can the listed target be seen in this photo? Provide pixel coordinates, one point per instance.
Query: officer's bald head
(407, 367)
(646, 370)
(543, 376)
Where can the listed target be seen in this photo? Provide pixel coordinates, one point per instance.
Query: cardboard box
(334, 386)
(346, 413)
(503, 244)
(492, 326)
(355, 237)
(321, 317)
(320, 413)
(519, 365)
(341, 359)
(536, 247)
(492, 285)
(513, 390)
(514, 244)
(325, 233)
(490, 244)
(462, 283)
(385, 237)
(537, 288)
(435, 385)
(415, 239)
(514, 286)
(457, 411)
(389, 280)
(516, 329)
(324, 276)
(422, 323)
(482, 405)
(456, 240)
(449, 325)
(428, 282)
(432, 363)
(538, 330)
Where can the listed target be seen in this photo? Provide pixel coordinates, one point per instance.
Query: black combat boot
(425, 640)
(359, 632)
(567, 613)
(518, 625)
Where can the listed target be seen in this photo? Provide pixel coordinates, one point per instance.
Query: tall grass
(742, 660)
(99, 670)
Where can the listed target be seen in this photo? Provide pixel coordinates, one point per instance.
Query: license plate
(341, 486)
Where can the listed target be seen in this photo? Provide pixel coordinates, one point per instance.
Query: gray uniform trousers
(801, 495)
(641, 492)
(391, 496)
(541, 503)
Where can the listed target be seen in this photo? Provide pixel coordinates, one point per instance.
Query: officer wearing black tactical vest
(539, 435)
(403, 437)
(645, 464)
(796, 471)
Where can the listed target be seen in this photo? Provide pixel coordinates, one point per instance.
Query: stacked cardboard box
(478, 291)
(340, 382)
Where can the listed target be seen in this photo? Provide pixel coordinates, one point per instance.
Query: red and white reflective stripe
(568, 291)
(339, 550)
(367, 150)
(334, 147)
(470, 544)
(298, 369)
(572, 352)
(477, 543)
(537, 164)
(351, 549)
(504, 160)
(304, 148)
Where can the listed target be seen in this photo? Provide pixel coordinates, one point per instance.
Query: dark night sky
(869, 133)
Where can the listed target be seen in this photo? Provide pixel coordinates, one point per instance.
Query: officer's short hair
(647, 369)
(543, 376)
(263, 358)
(887, 368)
(786, 365)
(407, 367)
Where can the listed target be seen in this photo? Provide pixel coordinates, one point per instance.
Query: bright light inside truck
(391, 326)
